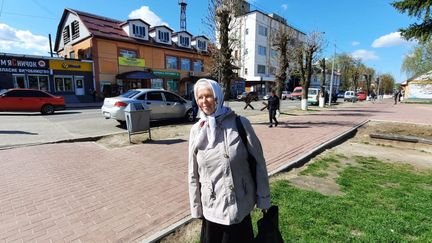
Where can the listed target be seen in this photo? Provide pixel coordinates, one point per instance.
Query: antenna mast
(183, 5)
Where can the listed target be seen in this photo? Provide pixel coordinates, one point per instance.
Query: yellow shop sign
(131, 61)
(70, 65)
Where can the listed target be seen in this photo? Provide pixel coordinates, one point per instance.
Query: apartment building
(132, 54)
(254, 54)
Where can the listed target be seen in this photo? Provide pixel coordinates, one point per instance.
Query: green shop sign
(164, 74)
(131, 61)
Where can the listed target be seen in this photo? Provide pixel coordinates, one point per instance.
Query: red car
(361, 95)
(31, 100)
(297, 93)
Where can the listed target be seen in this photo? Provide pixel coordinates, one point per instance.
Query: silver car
(163, 105)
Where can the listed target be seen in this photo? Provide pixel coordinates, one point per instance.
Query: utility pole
(332, 76)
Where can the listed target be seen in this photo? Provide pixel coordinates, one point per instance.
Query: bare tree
(283, 42)
(323, 79)
(221, 22)
(307, 52)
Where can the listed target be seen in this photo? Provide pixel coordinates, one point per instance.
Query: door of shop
(79, 86)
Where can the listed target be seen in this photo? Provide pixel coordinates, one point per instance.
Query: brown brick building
(132, 54)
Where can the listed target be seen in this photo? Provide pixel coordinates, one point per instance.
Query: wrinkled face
(206, 100)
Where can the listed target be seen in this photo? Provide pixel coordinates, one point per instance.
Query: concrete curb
(298, 162)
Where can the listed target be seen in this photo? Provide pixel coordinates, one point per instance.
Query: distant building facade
(132, 54)
(257, 59)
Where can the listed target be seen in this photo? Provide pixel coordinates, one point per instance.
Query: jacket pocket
(208, 193)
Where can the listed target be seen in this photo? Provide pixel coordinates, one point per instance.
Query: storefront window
(173, 85)
(171, 62)
(19, 81)
(63, 83)
(197, 66)
(128, 53)
(157, 83)
(38, 82)
(185, 64)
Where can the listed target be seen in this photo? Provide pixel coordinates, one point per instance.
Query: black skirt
(235, 233)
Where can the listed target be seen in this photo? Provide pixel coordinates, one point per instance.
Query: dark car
(31, 100)
(341, 94)
(252, 95)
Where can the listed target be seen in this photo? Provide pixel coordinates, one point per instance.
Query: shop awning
(136, 75)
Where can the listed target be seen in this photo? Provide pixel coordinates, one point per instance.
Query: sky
(365, 29)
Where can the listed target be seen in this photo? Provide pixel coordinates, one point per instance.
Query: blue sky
(367, 29)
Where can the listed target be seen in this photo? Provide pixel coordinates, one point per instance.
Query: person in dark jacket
(273, 106)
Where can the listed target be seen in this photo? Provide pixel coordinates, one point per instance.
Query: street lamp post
(332, 76)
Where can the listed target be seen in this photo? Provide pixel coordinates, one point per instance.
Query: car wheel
(189, 116)
(47, 110)
(122, 123)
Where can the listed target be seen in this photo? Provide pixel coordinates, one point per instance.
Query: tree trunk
(223, 16)
(323, 80)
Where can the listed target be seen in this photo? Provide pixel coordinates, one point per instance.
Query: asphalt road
(23, 128)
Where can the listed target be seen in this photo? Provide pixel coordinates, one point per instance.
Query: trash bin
(137, 119)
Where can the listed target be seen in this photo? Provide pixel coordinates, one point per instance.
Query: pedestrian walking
(396, 94)
(194, 106)
(273, 106)
(222, 191)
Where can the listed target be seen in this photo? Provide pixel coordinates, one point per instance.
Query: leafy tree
(387, 84)
(421, 10)
(419, 60)
(346, 65)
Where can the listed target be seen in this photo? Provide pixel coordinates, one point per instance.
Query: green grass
(316, 168)
(382, 202)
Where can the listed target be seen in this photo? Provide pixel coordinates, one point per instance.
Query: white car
(313, 96)
(163, 105)
(350, 96)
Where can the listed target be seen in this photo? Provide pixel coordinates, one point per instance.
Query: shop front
(167, 80)
(72, 77)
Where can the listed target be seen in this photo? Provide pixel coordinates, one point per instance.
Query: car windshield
(313, 91)
(297, 90)
(130, 94)
(2, 91)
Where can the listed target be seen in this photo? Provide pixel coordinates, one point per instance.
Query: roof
(424, 77)
(199, 36)
(161, 26)
(258, 11)
(183, 31)
(106, 28)
(129, 20)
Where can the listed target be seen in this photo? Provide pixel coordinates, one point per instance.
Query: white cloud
(22, 41)
(364, 55)
(284, 6)
(147, 15)
(392, 39)
(355, 43)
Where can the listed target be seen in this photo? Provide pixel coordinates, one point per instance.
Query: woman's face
(206, 100)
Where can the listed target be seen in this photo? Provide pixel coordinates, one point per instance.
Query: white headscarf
(220, 109)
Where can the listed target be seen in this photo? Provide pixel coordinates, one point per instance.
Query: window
(173, 85)
(138, 31)
(127, 53)
(184, 41)
(261, 69)
(262, 30)
(171, 62)
(163, 36)
(172, 97)
(66, 34)
(198, 66)
(272, 70)
(72, 54)
(75, 29)
(246, 51)
(154, 96)
(202, 45)
(247, 31)
(157, 83)
(185, 64)
(245, 71)
(38, 82)
(262, 50)
(63, 83)
(274, 53)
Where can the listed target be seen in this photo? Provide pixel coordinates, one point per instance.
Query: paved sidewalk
(83, 192)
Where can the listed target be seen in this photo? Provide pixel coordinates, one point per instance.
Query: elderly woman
(221, 188)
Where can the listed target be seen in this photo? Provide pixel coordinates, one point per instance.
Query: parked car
(297, 92)
(163, 105)
(286, 95)
(313, 96)
(350, 96)
(341, 94)
(267, 96)
(361, 95)
(31, 100)
(250, 94)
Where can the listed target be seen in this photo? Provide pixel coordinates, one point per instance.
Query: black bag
(268, 225)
